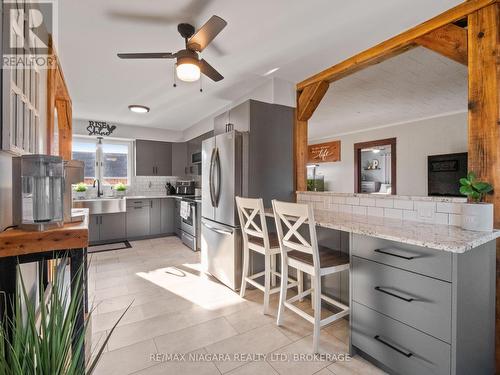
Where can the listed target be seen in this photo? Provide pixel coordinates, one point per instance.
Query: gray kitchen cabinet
(237, 118)
(420, 310)
(163, 158)
(179, 158)
(94, 228)
(138, 218)
(107, 228)
(155, 217)
(167, 216)
(113, 227)
(153, 158)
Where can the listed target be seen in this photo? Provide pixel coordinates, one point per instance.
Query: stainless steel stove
(191, 222)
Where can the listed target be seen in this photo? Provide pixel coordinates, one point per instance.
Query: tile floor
(176, 309)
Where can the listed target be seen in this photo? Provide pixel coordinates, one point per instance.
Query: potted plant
(476, 215)
(80, 190)
(120, 189)
(38, 338)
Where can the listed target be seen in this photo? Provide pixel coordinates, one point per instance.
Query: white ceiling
(415, 85)
(301, 37)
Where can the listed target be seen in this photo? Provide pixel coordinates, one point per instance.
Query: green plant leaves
(474, 189)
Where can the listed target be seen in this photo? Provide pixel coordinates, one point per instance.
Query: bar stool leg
(273, 269)
(284, 284)
(267, 282)
(313, 297)
(316, 281)
(300, 282)
(244, 273)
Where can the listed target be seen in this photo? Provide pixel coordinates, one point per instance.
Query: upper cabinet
(237, 118)
(179, 158)
(153, 158)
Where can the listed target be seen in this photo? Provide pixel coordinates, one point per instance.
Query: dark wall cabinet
(153, 158)
(105, 228)
(237, 118)
(179, 158)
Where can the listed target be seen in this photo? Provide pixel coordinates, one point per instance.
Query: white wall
(132, 132)
(415, 141)
(275, 90)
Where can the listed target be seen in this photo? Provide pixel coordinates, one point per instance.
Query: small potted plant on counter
(476, 215)
(120, 189)
(80, 190)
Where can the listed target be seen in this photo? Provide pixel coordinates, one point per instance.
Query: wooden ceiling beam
(395, 45)
(449, 41)
(309, 99)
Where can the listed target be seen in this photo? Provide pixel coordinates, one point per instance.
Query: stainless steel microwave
(196, 158)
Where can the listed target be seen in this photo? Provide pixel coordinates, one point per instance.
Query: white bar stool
(310, 258)
(257, 238)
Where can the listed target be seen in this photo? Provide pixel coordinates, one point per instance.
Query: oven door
(188, 225)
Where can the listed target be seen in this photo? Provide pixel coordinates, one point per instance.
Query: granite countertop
(440, 237)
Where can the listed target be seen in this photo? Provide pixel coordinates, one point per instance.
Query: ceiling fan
(189, 66)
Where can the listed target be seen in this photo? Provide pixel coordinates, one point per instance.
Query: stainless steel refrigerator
(255, 163)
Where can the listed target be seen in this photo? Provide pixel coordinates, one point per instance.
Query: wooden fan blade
(147, 55)
(206, 33)
(209, 71)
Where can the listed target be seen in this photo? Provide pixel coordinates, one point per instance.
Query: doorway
(375, 167)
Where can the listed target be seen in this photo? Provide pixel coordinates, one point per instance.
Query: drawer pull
(393, 294)
(405, 353)
(393, 255)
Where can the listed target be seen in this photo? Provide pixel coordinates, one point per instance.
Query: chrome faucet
(99, 191)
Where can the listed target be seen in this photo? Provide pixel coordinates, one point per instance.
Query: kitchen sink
(98, 206)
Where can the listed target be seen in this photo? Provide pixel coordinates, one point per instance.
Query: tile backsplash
(435, 210)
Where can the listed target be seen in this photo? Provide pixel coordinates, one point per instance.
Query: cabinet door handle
(393, 255)
(380, 289)
(403, 352)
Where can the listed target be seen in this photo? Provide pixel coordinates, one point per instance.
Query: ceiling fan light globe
(188, 72)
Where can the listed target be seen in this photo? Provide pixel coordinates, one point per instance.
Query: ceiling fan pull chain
(201, 85)
(175, 78)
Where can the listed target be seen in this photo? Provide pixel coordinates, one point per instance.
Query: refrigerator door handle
(217, 163)
(217, 230)
(211, 178)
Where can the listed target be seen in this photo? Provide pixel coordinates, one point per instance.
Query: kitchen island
(422, 295)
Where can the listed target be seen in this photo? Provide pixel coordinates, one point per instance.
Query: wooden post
(300, 144)
(64, 123)
(483, 140)
(307, 101)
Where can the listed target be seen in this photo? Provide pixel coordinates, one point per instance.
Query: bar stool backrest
(293, 216)
(250, 212)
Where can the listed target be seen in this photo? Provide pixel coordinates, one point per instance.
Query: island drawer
(429, 262)
(419, 301)
(403, 349)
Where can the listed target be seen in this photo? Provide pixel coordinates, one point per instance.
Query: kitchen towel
(185, 210)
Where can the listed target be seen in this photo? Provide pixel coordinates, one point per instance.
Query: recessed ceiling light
(138, 108)
(269, 72)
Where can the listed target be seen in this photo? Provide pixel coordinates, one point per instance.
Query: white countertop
(440, 237)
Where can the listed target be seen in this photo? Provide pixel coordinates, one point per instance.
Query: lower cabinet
(167, 211)
(138, 220)
(155, 217)
(108, 227)
(150, 217)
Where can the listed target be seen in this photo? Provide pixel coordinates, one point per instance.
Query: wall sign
(324, 152)
(100, 128)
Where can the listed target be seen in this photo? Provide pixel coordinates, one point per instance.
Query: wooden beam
(309, 99)
(301, 155)
(64, 123)
(395, 45)
(483, 131)
(449, 41)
